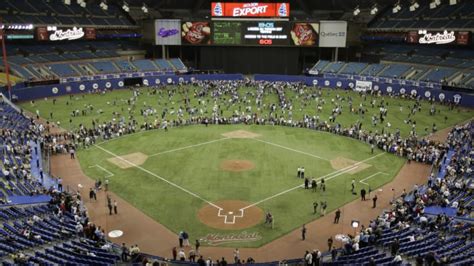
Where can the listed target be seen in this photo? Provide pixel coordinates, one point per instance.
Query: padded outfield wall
(426, 91)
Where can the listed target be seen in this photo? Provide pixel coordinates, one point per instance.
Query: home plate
(231, 213)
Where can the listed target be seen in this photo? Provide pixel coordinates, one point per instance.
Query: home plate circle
(115, 233)
(229, 215)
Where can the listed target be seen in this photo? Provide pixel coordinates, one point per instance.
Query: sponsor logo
(219, 239)
(249, 9)
(218, 10)
(441, 96)
(437, 38)
(69, 34)
(333, 34)
(163, 33)
(457, 98)
(282, 10)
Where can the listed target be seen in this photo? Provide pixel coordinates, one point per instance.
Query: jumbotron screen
(254, 33)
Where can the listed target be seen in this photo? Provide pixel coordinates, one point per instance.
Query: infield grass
(196, 169)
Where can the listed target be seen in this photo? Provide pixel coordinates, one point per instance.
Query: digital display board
(251, 33)
(438, 38)
(197, 32)
(265, 33)
(227, 33)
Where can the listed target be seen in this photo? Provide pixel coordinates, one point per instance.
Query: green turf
(197, 170)
(65, 105)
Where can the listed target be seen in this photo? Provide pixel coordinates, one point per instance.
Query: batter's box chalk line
(226, 215)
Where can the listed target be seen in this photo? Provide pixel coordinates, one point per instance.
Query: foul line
(188, 147)
(159, 177)
(330, 176)
(290, 149)
(103, 169)
(378, 173)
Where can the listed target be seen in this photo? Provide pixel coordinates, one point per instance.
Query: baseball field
(223, 179)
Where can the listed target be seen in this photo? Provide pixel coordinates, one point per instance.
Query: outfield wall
(29, 93)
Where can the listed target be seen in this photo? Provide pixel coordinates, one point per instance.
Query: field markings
(159, 177)
(109, 174)
(188, 147)
(369, 177)
(290, 149)
(327, 178)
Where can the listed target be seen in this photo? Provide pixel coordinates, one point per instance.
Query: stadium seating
(41, 233)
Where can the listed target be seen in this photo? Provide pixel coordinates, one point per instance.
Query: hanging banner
(220, 9)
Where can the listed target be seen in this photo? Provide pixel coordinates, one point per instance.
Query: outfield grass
(196, 169)
(64, 106)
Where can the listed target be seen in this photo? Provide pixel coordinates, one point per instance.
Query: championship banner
(363, 85)
(220, 9)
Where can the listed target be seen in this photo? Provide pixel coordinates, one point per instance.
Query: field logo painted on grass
(220, 239)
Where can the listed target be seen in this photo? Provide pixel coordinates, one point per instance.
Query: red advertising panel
(304, 34)
(412, 37)
(90, 33)
(197, 32)
(462, 38)
(220, 9)
(42, 34)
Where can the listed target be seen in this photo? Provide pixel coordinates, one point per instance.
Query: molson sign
(220, 9)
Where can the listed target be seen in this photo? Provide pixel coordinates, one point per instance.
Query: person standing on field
(303, 232)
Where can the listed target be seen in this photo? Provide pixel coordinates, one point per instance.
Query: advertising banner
(53, 33)
(197, 33)
(438, 38)
(265, 33)
(304, 34)
(333, 33)
(221, 9)
(167, 32)
(363, 85)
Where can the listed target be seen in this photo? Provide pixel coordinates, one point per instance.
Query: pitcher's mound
(231, 216)
(240, 134)
(129, 160)
(236, 165)
(344, 163)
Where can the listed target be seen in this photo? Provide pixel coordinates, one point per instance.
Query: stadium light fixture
(67, 2)
(356, 11)
(125, 7)
(453, 2)
(374, 10)
(434, 4)
(144, 8)
(396, 8)
(414, 6)
(103, 5)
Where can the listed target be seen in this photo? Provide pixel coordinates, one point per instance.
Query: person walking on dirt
(338, 215)
(115, 207)
(72, 152)
(362, 194)
(374, 201)
(197, 244)
(60, 184)
(303, 232)
(109, 204)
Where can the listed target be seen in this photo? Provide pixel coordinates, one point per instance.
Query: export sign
(220, 9)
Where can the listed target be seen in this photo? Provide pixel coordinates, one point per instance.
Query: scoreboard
(227, 33)
(255, 33)
(251, 32)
